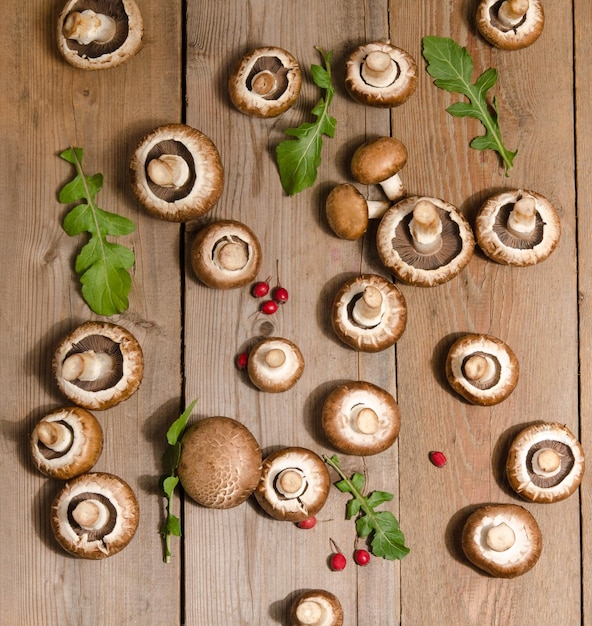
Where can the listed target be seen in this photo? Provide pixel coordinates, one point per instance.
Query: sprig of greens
(172, 524)
(299, 159)
(452, 67)
(387, 540)
(102, 265)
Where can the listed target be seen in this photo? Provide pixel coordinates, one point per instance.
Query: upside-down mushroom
(316, 607)
(510, 24)
(275, 364)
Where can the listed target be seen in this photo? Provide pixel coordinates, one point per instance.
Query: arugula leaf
(387, 540)
(299, 159)
(101, 264)
(452, 67)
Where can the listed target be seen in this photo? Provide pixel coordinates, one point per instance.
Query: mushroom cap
(119, 526)
(500, 245)
(83, 448)
(207, 264)
(514, 561)
(126, 42)
(276, 97)
(220, 462)
(520, 464)
(377, 160)
(498, 353)
(198, 194)
(380, 336)
(347, 212)
(117, 385)
(393, 94)
(525, 33)
(397, 253)
(275, 378)
(340, 418)
(329, 607)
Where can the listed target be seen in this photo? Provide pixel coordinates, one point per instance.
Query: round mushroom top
(66, 442)
(95, 515)
(98, 365)
(369, 313)
(377, 160)
(360, 418)
(517, 227)
(275, 364)
(545, 463)
(510, 24)
(220, 462)
(347, 212)
(226, 255)
(265, 82)
(98, 34)
(503, 540)
(482, 369)
(380, 74)
(316, 607)
(294, 484)
(176, 173)
(424, 241)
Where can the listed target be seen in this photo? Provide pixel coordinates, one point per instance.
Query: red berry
(269, 307)
(307, 523)
(361, 557)
(241, 360)
(260, 289)
(280, 295)
(438, 458)
(338, 561)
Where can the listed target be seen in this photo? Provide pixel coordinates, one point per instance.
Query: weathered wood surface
(240, 566)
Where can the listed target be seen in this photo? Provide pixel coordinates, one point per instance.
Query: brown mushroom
(316, 607)
(360, 418)
(503, 540)
(98, 365)
(294, 484)
(381, 75)
(482, 369)
(220, 462)
(545, 463)
(265, 82)
(369, 313)
(95, 515)
(66, 442)
(424, 241)
(517, 227)
(275, 364)
(97, 34)
(510, 24)
(176, 173)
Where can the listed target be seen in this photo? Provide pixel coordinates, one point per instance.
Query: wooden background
(239, 566)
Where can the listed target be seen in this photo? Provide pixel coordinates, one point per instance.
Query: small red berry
(361, 557)
(280, 295)
(260, 289)
(338, 562)
(269, 307)
(438, 458)
(242, 360)
(307, 523)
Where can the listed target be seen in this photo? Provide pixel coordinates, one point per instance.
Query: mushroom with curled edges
(510, 24)
(265, 82)
(98, 34)
(294, 484)
(517, 227)
(424, 241)
(95, 515)
(316, 607)
(66, 442)
(98, 365)
(177, 173)
(545, 463)
(275, 364)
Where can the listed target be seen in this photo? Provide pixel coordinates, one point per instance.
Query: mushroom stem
(365, 420)
(54, 435)
(309, 612)
(169, 170)
(500, 537)
(379, 69)
(264, 83)
(393, 187)
(230, 255)
(90, 514)
(377, 208)
(275, 358)
(291, 483)
(367, 310)
(425, 227)
(512, 12)
(522, 218)
(479, 368)
(546, 462)
(87, 27)
(87, 366)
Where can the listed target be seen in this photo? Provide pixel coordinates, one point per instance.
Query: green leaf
(352, 508)
(388, 541)
(169, 484)
(178, 426)
(173, 525)
(376, 498)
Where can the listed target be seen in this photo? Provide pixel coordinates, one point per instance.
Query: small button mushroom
(545, 463)
(517, 227)
(424, 241)
(510, 24)
(265, 82)
(316, 607)
(275, 364)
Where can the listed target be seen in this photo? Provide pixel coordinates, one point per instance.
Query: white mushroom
(510, 24)
(275, 364)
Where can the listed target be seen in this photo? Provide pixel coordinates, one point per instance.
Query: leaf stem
(352, 488)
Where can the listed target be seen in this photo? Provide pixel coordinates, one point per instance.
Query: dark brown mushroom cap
(66, 442)
(545, 484)
(315, 484)
(376, 336)
(316, 607)
(225, 254)
(124, 44)
(377, 160)
(520, 35)
(220, 462)
(275, 364)
(115, 383)
(488, 388)
(398, 254)
(502, 246)
(197, 193)
(516, 559)
(402, 76)
(360, 418)
(117, 525)
(265, 82)
(347, 212)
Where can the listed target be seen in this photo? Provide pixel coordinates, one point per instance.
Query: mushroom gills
(102, 525)
(482, 370)
(162, 155)
(513, 239)
(290, 483)
(55, 438)
(509, 14)
(110, 352)
(268, 78)
(547, 479)
(230, 253)
(379, 69)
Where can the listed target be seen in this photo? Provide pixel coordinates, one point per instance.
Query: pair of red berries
(337, 562)
(279, 295)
